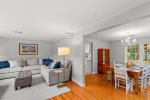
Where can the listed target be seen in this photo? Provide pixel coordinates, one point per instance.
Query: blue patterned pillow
(4, 64)
(47, 62)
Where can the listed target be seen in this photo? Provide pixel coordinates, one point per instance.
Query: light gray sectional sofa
(25, 64)
(9, 72)
(36, 67)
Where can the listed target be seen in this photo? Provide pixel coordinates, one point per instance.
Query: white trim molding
(94, 72)
(80, 84)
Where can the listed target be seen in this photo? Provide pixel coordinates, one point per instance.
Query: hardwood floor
(98, 88)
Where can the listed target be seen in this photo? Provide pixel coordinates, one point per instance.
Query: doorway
(88, 53)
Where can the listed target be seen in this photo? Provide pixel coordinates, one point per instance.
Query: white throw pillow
(15, 63)
(41, 60)
(32, 61)
(67, 62)
(53, 64)
(50, 66)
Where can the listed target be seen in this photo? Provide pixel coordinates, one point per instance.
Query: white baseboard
(80, 84)
(94, 72)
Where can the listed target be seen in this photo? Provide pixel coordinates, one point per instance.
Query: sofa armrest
(68, 72)
(50, 76)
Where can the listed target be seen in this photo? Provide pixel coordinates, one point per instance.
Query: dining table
(133, 73)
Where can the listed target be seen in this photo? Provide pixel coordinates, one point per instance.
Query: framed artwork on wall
(28, 49)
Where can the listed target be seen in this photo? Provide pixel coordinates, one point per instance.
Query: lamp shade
(63, 51)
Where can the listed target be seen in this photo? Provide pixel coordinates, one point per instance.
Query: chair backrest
(149, 70)
(120, 72)
(119, 64)
(146, 71)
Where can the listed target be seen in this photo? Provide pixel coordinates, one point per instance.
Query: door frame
(91, 45)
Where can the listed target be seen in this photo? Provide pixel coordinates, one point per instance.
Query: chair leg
(145, 83)
(127, 86)
(149, 81)
(141, 87)
(115, 83)
(131, 85)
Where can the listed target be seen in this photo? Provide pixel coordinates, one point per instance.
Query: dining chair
(122, 79)
(148, 75)
(143, 78)
(119, 63)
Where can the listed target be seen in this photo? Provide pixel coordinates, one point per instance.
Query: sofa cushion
(55, 65)
(47, 62)
(10, 70)
(41, 60)
(24, 63)
(4, 64)
(67, 62)
(15, 63)
(32, 61)
(34, 67)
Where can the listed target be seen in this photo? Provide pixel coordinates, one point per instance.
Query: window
(147, 53)
(133, 54)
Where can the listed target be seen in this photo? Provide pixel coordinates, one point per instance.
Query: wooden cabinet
(103, 60)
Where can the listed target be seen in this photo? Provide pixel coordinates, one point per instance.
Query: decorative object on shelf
(129, 40)
(28, 49)
(64, 51)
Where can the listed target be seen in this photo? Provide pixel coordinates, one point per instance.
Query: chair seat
(122, 79)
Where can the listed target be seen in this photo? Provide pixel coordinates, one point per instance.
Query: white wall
(118, 53)
(9, 48)
(96, 44)
(75, 42)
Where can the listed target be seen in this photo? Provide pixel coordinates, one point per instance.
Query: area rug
(38, 91)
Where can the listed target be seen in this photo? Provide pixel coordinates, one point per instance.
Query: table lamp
(63, 51)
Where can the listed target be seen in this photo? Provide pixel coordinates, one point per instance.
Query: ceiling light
(18, 32)
(129, 40)
(69, 33)
(134, 40)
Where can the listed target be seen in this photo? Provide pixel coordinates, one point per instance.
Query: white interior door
(88, 58)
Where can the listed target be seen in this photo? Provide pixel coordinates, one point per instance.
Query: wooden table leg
(136, 85)
(112, 77)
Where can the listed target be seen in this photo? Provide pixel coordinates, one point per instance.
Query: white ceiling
(140, 28)
(50, 20)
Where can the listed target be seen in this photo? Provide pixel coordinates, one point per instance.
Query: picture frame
(28, 49)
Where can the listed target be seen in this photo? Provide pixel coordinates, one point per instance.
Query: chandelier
(129, 40)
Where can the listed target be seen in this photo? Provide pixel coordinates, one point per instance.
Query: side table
(62, 84)
(58, 72)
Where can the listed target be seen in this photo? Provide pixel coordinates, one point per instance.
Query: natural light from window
(147, 53)
(133, 54)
